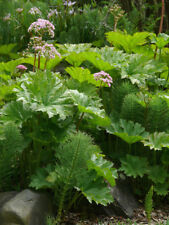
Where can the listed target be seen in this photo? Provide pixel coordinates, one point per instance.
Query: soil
(159, 217)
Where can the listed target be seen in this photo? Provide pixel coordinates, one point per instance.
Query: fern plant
(78, 165)
(117, 95)
(12, 145)
(157, 109)
(149, 204)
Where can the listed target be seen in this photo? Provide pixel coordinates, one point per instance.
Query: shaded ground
(159, 217)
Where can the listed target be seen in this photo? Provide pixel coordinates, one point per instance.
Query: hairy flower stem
(34, 62)
(39, 61)
(162, 16)
(78, 124)
(58, 219)
(115, 25)
(161, 23)
(45, 64)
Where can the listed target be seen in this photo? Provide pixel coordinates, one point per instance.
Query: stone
(25, 208)
(6, 196)
(124, 201)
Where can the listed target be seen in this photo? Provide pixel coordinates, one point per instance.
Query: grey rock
(25, 208)
(6, 196)
(124, 201)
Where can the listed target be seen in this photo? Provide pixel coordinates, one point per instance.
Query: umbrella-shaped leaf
(157, 174)
(87, 104)
(44, 92)
(157, 140)
(103, 168)
(134, 166)
(129, 131)
(162, 189)
(82, 75)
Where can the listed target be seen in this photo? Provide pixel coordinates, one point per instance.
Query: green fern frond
(71, 171)
(13, 140)
(149, 203)
(120, 90)
(12, 145)
(157, 109)
(132, 109)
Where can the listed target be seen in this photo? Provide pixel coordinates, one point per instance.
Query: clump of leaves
(79, 165)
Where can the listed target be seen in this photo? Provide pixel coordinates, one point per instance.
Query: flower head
(7, 17)
(36, 44)
(19, 10)
(104, 77)
(21, 67)
(42, 26)
(53, 12)
(71, 11)
(49, 51)
(69, 3)
(35, 11)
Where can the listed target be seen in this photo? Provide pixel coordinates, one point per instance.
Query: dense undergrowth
(75, 121)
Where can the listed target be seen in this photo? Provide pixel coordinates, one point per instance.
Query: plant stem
(34, 62)
(45, 64)
(75, 197)
(78, 124)
(162, 16)
(161, 23)
(58, 219)
(39, 61)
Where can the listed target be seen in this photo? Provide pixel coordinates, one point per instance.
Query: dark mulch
(159, 217)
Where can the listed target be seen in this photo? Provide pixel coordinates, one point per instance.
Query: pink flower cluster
(7, 17)
(19, 10)
(35, 11)
(36, 43)
(49, 51)
(42, 26)
(53, 12)
(104, 77)
(69, 3)
(21, 67)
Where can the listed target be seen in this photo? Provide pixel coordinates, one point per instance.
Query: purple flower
(19, 10)
(69, 3)
(35, 11)
(49, 51)
(21, 67)
(53, 12)
(71, 11)
(42, 26)
(7, 17)
(104, 77)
